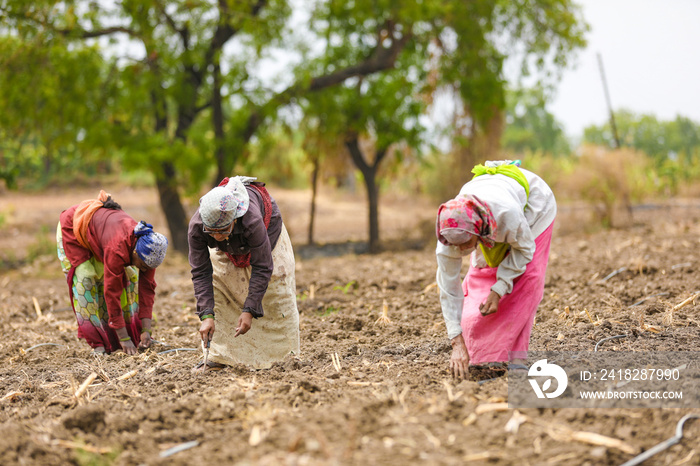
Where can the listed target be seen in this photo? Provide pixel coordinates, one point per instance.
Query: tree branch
(379, 156)
(353, 145)
(382, 58)
(83, 34)
(224, 30)
(182, 31)
(202, 107)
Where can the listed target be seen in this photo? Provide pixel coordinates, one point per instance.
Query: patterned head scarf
(463, 217)
(150, 246)
(220, 206)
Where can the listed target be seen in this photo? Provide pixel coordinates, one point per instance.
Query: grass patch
(347, 287)
(90, 458)
(44, 245)
(328, 311)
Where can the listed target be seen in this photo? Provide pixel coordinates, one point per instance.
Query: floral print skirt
(86, 290)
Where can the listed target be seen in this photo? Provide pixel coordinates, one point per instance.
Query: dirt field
(387, 398)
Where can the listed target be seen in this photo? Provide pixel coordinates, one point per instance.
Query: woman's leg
(89, 306)
(65, 263)
(130, 304)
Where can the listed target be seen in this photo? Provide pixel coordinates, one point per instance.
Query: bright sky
(651, 56)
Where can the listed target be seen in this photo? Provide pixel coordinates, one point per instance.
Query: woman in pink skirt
(503, 218)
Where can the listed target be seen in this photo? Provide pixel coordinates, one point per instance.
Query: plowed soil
(371, 385)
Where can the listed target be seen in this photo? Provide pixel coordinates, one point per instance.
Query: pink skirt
(505, 335)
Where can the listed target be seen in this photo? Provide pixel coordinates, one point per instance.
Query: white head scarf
(220, 206)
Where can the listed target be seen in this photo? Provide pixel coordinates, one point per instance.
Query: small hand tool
(206, 354)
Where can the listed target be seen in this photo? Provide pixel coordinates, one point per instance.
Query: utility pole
(607, 99)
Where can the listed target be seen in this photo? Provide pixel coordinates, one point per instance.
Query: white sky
(651, 56)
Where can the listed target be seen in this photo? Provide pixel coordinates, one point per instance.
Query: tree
(660, 140)
(319, 143)
(449, 44)
(50, 94)
(372, 117)
(384, 114)
(185, 96)
(176, 79)
(684, 138)
(472, 45)
(530, 127)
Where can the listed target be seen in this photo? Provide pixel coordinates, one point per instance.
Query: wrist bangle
(147, 330)
(207, 316)
(125, 339)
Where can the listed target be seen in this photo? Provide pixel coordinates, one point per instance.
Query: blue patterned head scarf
(150, 246)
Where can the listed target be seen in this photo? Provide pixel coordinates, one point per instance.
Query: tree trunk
(48, 163)
(217, 117)
(369, 174)
(171, 204)
(373, 200)
(314, 190)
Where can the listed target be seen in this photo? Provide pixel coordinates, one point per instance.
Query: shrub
(609, 180)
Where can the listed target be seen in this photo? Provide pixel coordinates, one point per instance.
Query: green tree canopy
(187, 61)
(180, 93)
(50, 95)
(530, 127)
(449, 43)
(677, 139)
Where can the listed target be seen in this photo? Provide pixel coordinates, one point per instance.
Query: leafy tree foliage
(178, 90)
(473, 40)
(449, 43)
(175, 78)
(530, 127)
(672, 146)
(50, 94)
(372, 114)
(677, 139)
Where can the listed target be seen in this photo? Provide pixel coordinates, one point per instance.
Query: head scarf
(220, 206)
(83, 214)
(150, 246)
(463, 217)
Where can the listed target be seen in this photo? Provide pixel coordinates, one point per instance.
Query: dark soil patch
(390, 401)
